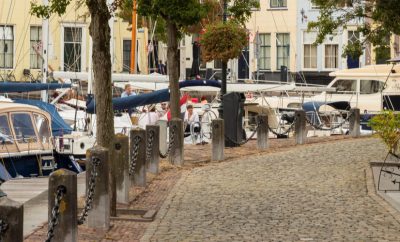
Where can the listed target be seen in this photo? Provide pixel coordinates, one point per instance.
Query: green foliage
(180, 12)
(240, 10)
(383, 13)
(223, 41)
(55, 6)
(353, 49)
(387, 125)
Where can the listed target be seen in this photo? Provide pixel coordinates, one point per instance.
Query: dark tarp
(312, 108)
(8, 87)
(58, 125)
(150, 98)
(4, 175)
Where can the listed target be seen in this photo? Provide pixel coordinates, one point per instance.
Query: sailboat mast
(133, 41)
(45, 44)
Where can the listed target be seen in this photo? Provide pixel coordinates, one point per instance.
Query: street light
(224, 67)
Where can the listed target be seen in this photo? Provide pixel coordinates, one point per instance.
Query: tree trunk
(173, 68)
(100, 32)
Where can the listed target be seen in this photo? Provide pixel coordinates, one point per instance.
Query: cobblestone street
(308, 193)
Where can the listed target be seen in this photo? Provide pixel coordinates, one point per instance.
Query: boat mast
(45, 44)
(133, 41)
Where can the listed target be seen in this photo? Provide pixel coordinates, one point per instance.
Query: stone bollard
(11, 219)
(67, 227)
(218, 140)
(139, 176)
(300, 127)
(154, 159)
(262, 132)
(163, 135)
(121, 168)
(354, 122)
(176, 155)
(99, 215)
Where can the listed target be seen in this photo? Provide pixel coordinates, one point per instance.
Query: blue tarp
(58, 125)
(8, 87)
(150, 98)
(4, 175)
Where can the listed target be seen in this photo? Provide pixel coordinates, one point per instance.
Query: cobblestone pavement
(309, 193)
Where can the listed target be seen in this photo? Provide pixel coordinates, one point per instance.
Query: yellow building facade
(69, 42)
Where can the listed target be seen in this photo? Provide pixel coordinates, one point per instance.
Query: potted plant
(387, 127)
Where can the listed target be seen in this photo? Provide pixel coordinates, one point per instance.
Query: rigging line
(23, 42)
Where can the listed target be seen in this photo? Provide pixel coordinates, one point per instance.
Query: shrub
(387, 125)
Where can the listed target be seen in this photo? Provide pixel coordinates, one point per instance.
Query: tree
(178, 14)
(100, 32)
(381, 18)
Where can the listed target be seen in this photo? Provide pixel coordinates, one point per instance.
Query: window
(283, 48)
(126, 58)
(331, 56)
(265, 51)
(217, 64)
(36, 47)
(72, 49)
(370, 86)
(353, 36)
(23, 127)
(6, 46)
(42, 127)
(5, 132)
(278, 3)
(345, 86)
(310, 50)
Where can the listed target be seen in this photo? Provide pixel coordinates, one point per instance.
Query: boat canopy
(151, 98)
(315, 105)
(58, 125)
(8, 87)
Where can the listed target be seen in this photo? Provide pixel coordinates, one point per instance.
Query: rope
(55, 212)
(250, 137)
(135, 155)
(90, 192)
(171, 143)
(149, 147)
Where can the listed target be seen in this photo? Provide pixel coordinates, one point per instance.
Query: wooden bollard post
(99, 215)
(12, 217)
(354, 122)
(300, 127)
(176, 155)
(153, 132)
(121, 167)
(139, 176)
(66, 229)
(262, 131)
(218, 140)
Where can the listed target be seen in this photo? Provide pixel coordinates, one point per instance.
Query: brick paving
(159, 188)
(306, 193)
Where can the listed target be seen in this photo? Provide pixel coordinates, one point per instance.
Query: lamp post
(224, 68)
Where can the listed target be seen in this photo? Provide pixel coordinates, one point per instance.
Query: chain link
(90, 191)
(135, 155)
(149, 147)
(319, 127)
(55, 212)
(171, 143)
(3, 228)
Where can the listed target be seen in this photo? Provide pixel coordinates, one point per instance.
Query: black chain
(250, 137)
(90, 191)
(55, 212)
(149, 147)
(171, 143)
(287, 131)
(3, 228)
(319, 127)
(135, 154)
